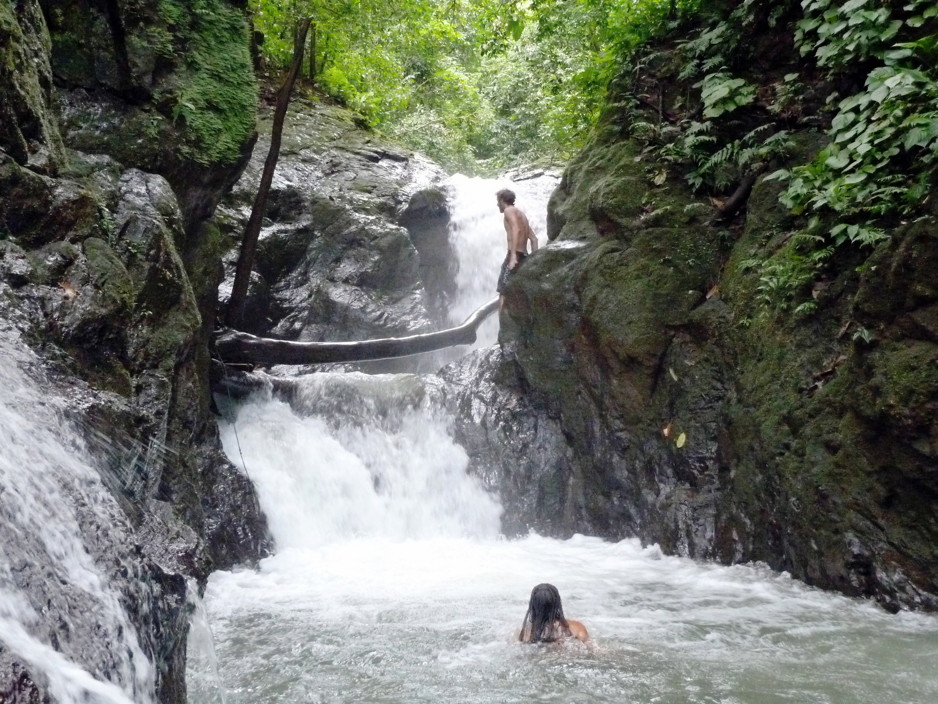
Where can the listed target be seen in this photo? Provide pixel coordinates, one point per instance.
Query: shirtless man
(519, 234)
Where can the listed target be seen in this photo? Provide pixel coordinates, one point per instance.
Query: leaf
(681, 440)
(666, 430)
(671, 372)
(69, 292)
(852, 5)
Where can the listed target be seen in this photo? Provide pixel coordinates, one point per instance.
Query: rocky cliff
(355, 242)
(121, 125)
(655, 381)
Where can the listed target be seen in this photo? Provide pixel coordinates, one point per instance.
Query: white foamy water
(477, 232)
(59, 612)
(392, 584)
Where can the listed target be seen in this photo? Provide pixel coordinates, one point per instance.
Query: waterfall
(61, 542)
(391, 583)
(353, 458)
(477, 232)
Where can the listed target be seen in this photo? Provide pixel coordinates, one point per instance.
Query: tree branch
(234, 346)
(234, 315)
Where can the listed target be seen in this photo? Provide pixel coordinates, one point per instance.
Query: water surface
(392, 584)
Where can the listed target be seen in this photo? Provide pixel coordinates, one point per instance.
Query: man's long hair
(545, 617)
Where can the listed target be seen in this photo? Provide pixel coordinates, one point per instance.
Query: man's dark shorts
(506, 273)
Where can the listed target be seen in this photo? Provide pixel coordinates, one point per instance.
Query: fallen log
(234, 346)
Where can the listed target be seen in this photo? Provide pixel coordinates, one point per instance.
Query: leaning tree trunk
(234, 347)
(235, 312)
(312, 53)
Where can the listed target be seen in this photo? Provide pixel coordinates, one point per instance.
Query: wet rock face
(27, 129)
(103, 273)
(164, 87)
(693, 418)
(426, 218)
(352, 230)
(517, 449)
(114, 312)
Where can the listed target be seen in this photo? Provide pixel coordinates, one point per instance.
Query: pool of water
(391, 583)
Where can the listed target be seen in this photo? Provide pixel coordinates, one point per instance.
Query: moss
(215, 97)
(109, 273)
(905, 380)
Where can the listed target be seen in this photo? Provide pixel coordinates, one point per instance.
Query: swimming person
(544, 622)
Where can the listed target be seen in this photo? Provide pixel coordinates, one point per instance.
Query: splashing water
(60, 613)
(391, 584)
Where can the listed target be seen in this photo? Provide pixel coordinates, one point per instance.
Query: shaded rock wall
(167, 87)
(105, 262)
(681, 410)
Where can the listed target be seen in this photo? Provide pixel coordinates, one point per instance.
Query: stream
(392, 583)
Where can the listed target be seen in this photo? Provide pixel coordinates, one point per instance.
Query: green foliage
(473, 83)
(840, 34)
(882, 160)
(217, 101)
(720, 43)
(700, 148)
(693, 146)
(722, 93)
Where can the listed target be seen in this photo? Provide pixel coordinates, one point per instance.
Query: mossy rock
(27, 120)
(181, 93)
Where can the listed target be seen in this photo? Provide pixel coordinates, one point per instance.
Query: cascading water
(391, 582)
(61, 615)
(478, 235)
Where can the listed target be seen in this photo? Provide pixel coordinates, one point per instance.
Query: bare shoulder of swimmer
(578, 630)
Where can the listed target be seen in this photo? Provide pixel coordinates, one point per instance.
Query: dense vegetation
(865, 76)
(477, 84)
(485, 84)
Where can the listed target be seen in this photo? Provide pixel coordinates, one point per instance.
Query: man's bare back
(519, 232)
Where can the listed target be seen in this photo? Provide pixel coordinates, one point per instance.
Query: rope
(234, 423)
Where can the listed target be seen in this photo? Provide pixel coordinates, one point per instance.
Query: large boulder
(165, 87)
(697, 417)
(352, 237)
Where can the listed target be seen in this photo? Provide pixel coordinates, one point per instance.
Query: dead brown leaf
(69, 292)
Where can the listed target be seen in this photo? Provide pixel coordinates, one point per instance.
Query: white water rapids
(392, 584)
(60, 612)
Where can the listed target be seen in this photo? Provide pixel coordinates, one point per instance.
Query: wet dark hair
(545, 617)
(506, 196)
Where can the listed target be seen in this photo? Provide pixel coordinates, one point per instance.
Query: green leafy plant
(730, 162)
(722, 93)
(493, 82)
(881, 162)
